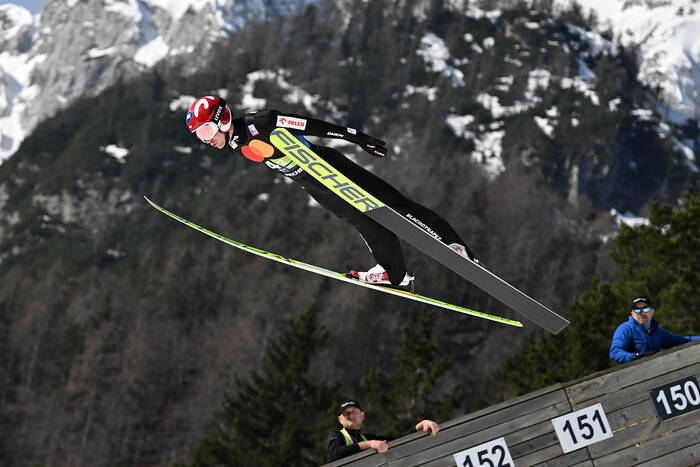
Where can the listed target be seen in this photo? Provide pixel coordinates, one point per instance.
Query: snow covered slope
(667, 33)
(76, 48)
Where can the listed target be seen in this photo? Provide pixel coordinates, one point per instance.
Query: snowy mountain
(72, 49)
(666, 33)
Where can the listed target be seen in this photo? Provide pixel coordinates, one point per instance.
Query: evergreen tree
(276, 416)
(660, 260)
(398, 400)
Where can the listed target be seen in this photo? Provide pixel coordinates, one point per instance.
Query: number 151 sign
(582, 428)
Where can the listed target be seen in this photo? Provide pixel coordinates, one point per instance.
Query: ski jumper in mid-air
(210, 119)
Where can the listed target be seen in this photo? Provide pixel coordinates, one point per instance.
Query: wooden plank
(501, 405)
(539, 457)
(631, 374)
(633, 394)
(613, 369)
(519, 443)
(427, 449)
(447, 461)
(533, 444)
(505, 421)
(637, 424)
(686, 456)
(584, 464)
(573, 459)
(361, 459)
(579, 457)
(666, 443)
(505, 413)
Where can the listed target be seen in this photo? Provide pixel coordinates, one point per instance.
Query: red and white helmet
(208, 115)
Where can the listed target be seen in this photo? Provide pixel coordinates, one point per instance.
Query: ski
(413, 233)
(333, 274)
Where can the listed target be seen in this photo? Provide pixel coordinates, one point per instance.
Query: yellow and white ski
(335, 275)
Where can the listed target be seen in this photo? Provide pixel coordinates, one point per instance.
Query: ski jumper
(250, 138)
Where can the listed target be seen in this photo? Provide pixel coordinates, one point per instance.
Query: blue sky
(32, 5)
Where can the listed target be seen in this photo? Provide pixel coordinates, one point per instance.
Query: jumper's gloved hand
(374, 146)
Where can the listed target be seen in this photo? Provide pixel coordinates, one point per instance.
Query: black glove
(374, 146)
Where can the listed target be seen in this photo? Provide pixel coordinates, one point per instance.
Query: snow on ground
(546, 125)
(98, 53)
(428, 92)
(667, 35)
(183, 149)
(115, 151)
(129, 9)
(459, 124)
(177, 8)
(504, 83)
(475, 12)
(488, 149)
(152, 52)
(436, 55)
(583, 86)
(182, 102)
(15, 90)
(686, 147)
(293, 94)
(628, 219)
(488, 145)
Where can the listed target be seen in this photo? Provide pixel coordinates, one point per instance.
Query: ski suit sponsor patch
(424, 226)
(253, 131)
(324, 172)
(291, 122)
(286, 165)
(257, 150)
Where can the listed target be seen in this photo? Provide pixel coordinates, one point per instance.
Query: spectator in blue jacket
(641, 335)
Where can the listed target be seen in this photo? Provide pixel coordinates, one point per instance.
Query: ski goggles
(207, 131)
(646, 309)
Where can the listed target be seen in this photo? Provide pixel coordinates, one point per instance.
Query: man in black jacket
(350, 440)
(210, 119)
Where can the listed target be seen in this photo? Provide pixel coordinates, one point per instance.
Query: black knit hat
(641, 299)
(348, 403)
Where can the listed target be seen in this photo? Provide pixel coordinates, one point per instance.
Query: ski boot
(378, 276)
(463, 251)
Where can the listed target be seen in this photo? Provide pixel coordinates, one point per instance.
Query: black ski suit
(250, 138)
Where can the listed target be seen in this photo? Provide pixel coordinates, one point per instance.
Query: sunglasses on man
(646, 309)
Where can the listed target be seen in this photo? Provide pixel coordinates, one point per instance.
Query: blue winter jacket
(631, 339)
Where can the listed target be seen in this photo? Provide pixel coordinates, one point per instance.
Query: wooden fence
(649, 414)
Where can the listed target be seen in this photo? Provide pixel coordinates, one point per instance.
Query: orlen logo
(291, 122)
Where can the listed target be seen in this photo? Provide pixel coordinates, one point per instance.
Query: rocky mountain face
(119, 329)
(76, 48)
(665, 34)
